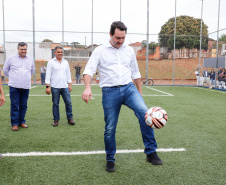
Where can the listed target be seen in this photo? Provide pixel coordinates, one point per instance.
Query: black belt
(118, 86)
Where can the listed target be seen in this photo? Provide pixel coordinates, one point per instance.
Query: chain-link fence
(181, 35)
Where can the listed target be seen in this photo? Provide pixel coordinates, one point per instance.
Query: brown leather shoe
(55, 123)
(15, 128)
(71, 122)
(23, 125)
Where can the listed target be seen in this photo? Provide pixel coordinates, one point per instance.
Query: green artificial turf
(196, 122)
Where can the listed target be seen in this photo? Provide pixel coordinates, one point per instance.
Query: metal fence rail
(80, 26)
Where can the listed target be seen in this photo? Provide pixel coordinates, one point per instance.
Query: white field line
(157, 95)
(80, 95)
(84, 85)
(93, 95)
(87, 153)
(166, 94)
(213, 90)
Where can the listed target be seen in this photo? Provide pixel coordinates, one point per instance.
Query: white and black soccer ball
(156, 117)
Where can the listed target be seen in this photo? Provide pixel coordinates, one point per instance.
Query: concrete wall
(1, 58)
(136, 49)
(76, 55)
(40, 53)
(141, 54)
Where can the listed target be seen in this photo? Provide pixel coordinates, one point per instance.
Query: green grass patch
(196, 122)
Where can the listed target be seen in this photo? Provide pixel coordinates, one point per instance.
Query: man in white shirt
(206, 73)
(58, 71)
(116, 64)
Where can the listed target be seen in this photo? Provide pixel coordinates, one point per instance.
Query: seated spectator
(219, 71)
(224, 72)
(221, 77)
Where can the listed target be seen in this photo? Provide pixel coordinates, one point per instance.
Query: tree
(47, 40)
(74, 44)
(187, 33)
(151, 46)
(223, 38)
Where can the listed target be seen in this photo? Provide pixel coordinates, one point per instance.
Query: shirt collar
(57, 60)
(20, 57)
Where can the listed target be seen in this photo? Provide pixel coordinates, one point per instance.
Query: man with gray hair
(58, 72)
(19, 68)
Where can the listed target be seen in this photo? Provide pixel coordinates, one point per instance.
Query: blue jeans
(212, 81)
(18, 105)
(43, 76)
(64, 92)
(112, 99)
(78, 79)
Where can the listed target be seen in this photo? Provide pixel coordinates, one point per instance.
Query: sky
(78, 18)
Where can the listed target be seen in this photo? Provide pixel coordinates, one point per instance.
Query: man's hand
(2, 100)
(48, 90)
(70, 87)
(87, 94)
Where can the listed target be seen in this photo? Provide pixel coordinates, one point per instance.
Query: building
(41, 53)
(136, 46)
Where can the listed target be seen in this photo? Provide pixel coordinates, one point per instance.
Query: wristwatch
(47, 86)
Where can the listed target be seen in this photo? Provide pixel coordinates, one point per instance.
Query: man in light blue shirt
(19, 68)
(43, 73)
(117, 66)
(58, 76)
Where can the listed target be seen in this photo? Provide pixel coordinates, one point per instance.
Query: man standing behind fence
(78, 73)
(58, 71)
(19, 68)
(43, 73)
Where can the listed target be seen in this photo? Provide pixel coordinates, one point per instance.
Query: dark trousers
(64, 92)
(43, 76)
(112, 99)
(18, 110)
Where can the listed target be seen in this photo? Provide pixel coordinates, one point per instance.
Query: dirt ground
(161, 71)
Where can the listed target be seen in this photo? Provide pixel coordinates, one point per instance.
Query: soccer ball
(156, 117)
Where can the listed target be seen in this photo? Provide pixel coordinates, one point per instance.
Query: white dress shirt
(19, 71)
(58, 73)
(116, 66)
